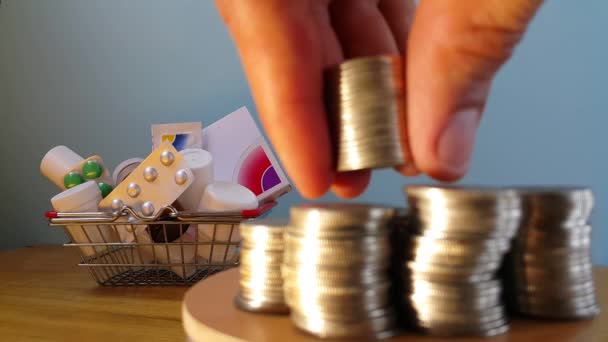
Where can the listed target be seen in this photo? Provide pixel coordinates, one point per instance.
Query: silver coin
(261, 296)
(258, 273)
(367, 242)
(478, 209)
(366, 99)
(322, 276)
(490, 329)
(261, 307)
(369, 290)
(337, 259)
(462, 194)
(345, 314)
(454, 290)
(531, 244)
(453, 278)
(337, 304)
(271, 246)
(471, 318)
(334, 219)
(271, 228)
(427, 317)
(449, 271)
(577, 272)
(267, 259)
(556, 196)
(336, 329)
(434, 304)
(454, 251)
(553, 313)
(561, 290)
(260, 282)
(553, 255)
(571, 302)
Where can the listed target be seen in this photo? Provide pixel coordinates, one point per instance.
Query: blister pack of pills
(157, 182)
(90, 169)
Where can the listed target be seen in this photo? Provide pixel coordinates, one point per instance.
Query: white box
(242, 155)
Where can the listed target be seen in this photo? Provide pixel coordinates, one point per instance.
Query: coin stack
(261, 284)
(457, 240)
(549, 268)
(366, 108)
(336, 270)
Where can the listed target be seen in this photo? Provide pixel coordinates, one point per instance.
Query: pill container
(84, 198)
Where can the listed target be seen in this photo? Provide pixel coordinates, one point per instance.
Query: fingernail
(456, 142)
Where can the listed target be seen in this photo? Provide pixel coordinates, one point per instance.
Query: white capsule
(147, 208)
(150, 174)
(133, 190)
(181, 177)
(117, 204)
(167, 158)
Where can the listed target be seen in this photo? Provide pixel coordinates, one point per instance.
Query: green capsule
(92, 170)
(72, 179)
(105, 189)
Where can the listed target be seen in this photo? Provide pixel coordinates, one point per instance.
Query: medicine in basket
(125, 168)
(67, 169)
(201, 164)
(157, 182)
(223, 196)
(241, 155)
(84, 198)
(181, 135)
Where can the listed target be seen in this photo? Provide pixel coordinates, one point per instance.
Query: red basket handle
(253, 213)
(51, 214)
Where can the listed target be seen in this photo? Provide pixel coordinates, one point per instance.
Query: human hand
(452, 50)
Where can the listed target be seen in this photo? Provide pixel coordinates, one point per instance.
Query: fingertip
(444, 175)
(408, 169)
(312, 186)
(349, 185)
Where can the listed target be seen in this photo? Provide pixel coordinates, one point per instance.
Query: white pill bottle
(221, 240)
(79, 199)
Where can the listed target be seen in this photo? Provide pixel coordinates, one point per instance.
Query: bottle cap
(58, 162)
(196, 157)
(77, 197)
(124, 169)
(225, 196)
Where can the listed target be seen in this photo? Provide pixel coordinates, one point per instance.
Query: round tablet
(72, 179)
(92, 169)
(105, 189)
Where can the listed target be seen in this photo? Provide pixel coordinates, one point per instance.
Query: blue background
(94, 75)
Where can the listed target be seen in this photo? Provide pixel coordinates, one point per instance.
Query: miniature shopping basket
(172, 248)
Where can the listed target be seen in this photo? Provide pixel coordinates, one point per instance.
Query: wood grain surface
(45, 296)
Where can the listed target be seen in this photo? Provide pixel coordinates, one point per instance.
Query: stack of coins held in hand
(457, 240)
(549, 268)
(366, 108)
(336, 270)
(261, 284)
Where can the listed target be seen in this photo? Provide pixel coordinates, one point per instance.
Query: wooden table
(44, 296)
(209, 315)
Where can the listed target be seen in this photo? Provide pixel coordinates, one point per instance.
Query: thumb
(454, 51)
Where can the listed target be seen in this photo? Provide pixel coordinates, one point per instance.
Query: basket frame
(130, 261)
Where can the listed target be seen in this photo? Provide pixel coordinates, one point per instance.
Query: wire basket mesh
(172, 248)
